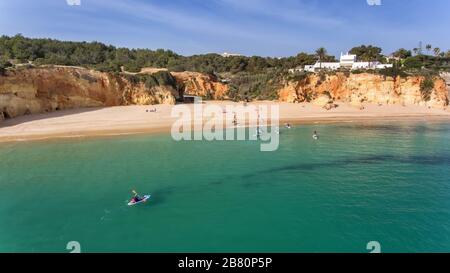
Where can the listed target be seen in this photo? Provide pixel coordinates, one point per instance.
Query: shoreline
(134, 120)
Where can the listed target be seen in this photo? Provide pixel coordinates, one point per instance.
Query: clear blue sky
(251, 27)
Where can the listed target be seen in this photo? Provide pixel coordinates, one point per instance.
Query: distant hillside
(109, 58)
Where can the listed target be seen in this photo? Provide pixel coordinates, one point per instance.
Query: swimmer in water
(315, 135)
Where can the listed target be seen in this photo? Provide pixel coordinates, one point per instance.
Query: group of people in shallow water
(136, 198)
(259, 130)
(315, 134)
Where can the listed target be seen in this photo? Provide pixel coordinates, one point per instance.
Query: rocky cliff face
(359, 88)
(45, 89)
(193, 83)
(446, 77)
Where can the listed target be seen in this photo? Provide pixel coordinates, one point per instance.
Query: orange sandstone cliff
(194, 83)
(359, 88)
(45, 89)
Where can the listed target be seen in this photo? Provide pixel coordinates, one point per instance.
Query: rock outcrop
(446, 77)
(45, 89)
(195, 83)
(359, 88)
(198, 84)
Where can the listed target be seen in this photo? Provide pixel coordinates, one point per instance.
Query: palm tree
(437, 51)
(428, 47)
(321, 53)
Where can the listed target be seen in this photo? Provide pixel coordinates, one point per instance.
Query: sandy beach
(139, 119)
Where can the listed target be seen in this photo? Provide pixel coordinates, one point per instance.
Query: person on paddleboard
(136, 198)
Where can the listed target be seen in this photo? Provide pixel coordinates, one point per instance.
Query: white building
(317, 66)
(383, 66)
(347, 61)
(226, 54)
(325, 66)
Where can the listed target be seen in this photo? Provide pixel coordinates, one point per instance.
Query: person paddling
(136, 198)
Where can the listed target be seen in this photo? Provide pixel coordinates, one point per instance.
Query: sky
(274, 28)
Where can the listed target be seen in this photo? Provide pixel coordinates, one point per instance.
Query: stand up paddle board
(144, 199)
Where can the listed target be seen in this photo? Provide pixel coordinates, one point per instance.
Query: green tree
(402, 53)
(414, 62)
(367, 53)
(426, 88)
(256, 63)
(321, 53)
(428, 47)
(437, 51)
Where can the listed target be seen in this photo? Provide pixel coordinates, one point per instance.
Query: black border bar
(253, 262)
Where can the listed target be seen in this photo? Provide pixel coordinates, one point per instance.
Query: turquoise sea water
(376, 181)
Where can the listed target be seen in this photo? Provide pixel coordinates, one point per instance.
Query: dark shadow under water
(428, 160)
